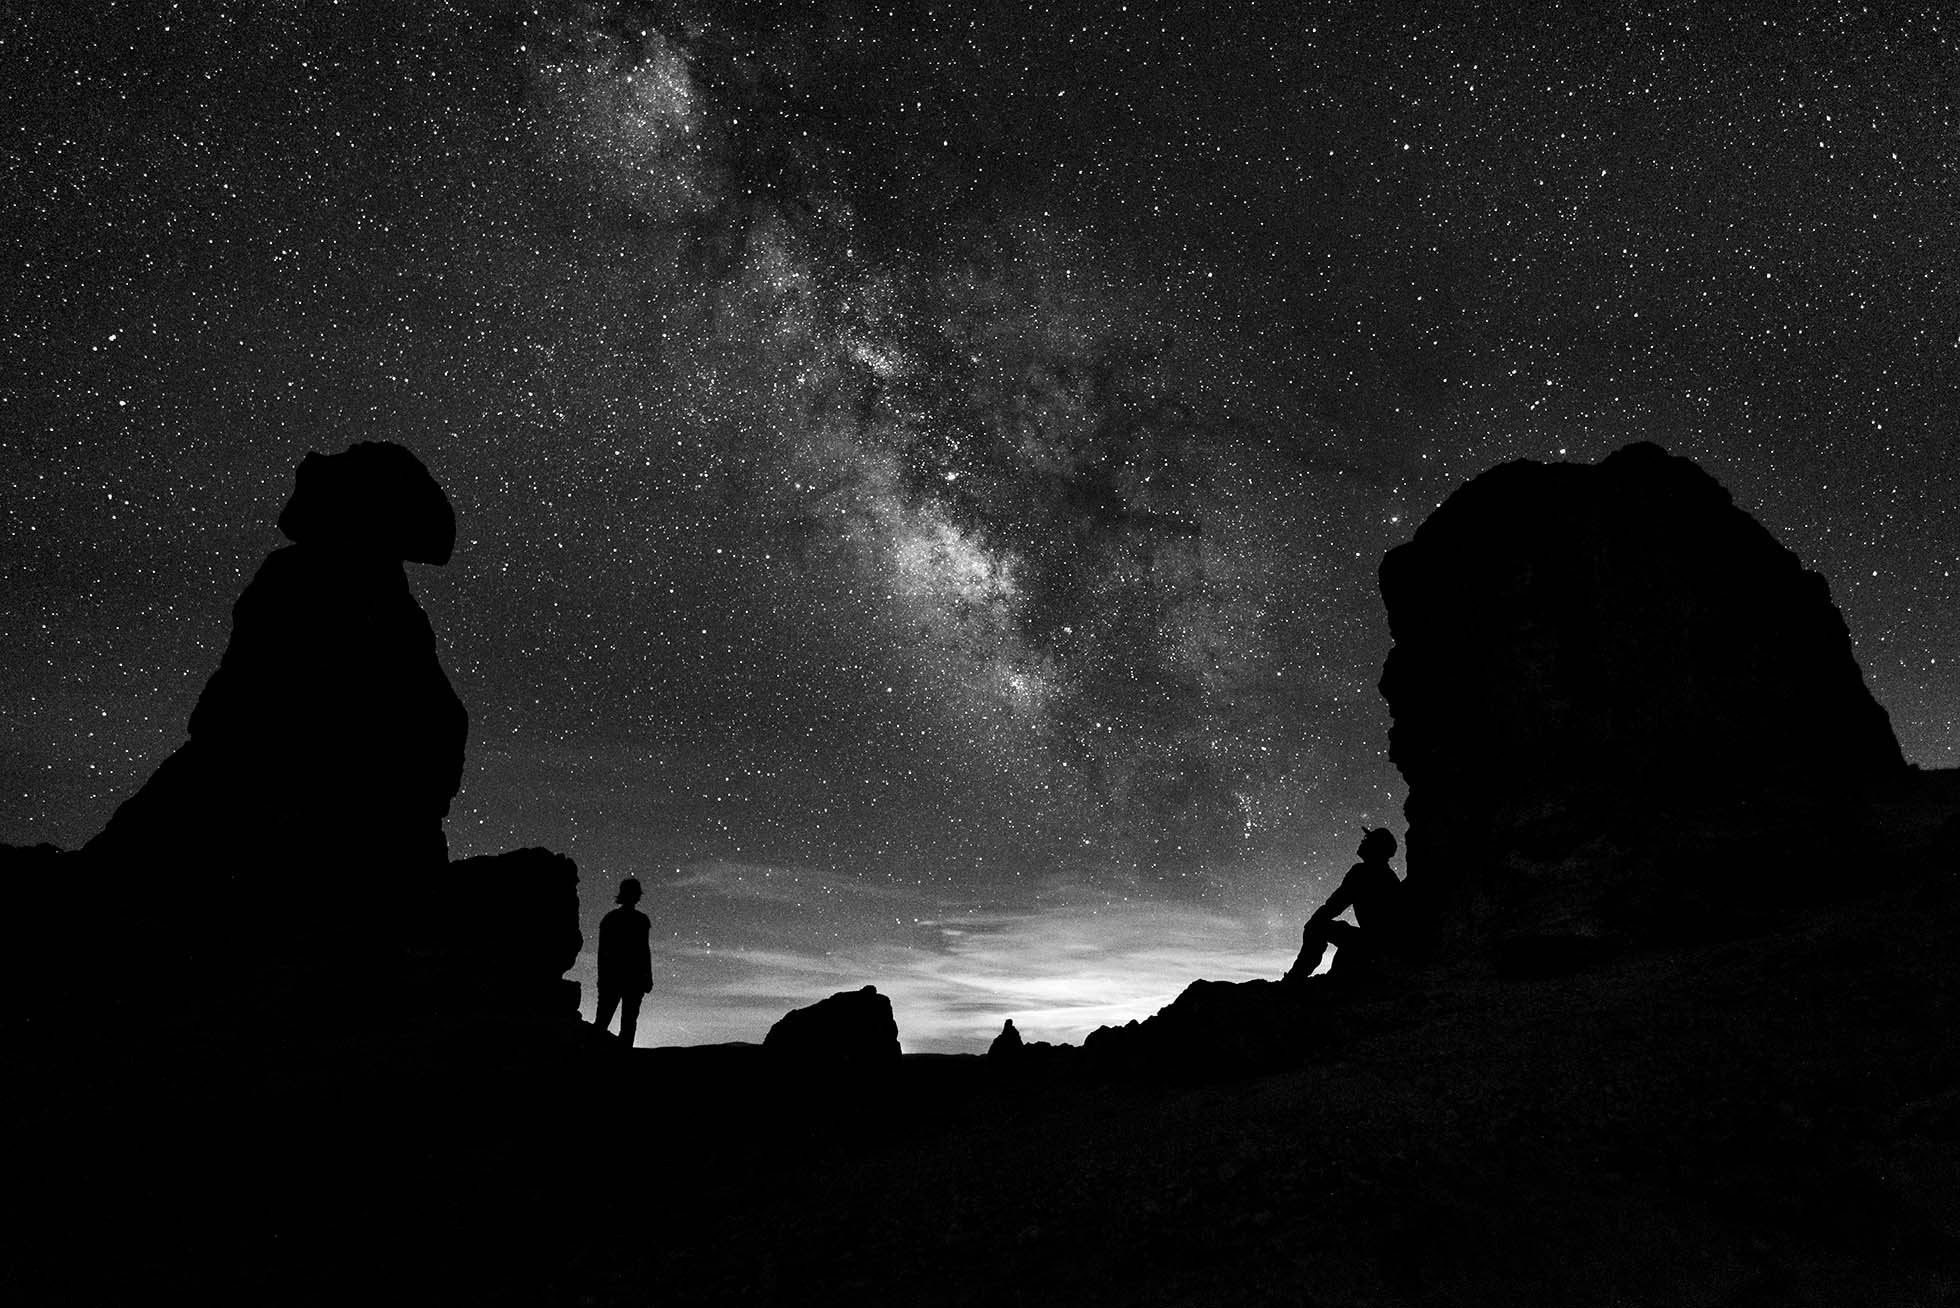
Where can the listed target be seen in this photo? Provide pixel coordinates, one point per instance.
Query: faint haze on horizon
(1059, 969)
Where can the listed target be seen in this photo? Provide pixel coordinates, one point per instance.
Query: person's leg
(608, 1000)
(1313, 948)
(1352, 956)
(629, 1018)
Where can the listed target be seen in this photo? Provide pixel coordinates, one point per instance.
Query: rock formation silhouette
(1626, 715)
(322, 753)
(504, 930)
(375, 497)
(1007, 1044)
(1619, 705)
(287, 863)
(852, 1031)
(280, 985)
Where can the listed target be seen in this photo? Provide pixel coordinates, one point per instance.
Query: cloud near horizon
(1060, 966)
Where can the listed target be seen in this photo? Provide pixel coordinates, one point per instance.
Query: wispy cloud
(1059, 970)
(779, 884)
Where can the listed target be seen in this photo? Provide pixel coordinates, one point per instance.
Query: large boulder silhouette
(505, 930)
(852, 1031)
(1619, 705)
(323, 752)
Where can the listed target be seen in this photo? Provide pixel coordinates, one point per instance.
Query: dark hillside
(1770, 1120)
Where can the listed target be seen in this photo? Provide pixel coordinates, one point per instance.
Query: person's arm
(1339, 902)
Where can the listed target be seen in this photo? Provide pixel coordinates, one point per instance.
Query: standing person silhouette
(625, 962)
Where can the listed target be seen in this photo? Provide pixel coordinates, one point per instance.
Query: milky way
(1082, 568)
(921, 473)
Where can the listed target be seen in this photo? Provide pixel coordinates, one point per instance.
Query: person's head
(629, 891)
(1377, 845)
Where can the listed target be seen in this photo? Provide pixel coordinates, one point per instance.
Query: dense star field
(921, 469)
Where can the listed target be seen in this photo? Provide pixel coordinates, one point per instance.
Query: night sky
(921, 470)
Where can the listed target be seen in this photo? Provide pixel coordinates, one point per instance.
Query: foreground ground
(1770, 1119)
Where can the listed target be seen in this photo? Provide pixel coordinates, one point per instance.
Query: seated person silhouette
(1373, 891)
(625, 962)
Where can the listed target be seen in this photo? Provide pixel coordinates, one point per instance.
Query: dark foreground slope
(1773, 1119)
(1770, 1120)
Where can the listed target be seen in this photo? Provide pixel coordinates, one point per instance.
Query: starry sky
(921, 469)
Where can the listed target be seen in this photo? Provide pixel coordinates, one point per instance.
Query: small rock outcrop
(853, 1030)
(1007, 1044)
(1619, 705)
(504, 928)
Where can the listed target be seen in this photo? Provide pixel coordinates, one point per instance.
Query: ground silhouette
(1774, 1119)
